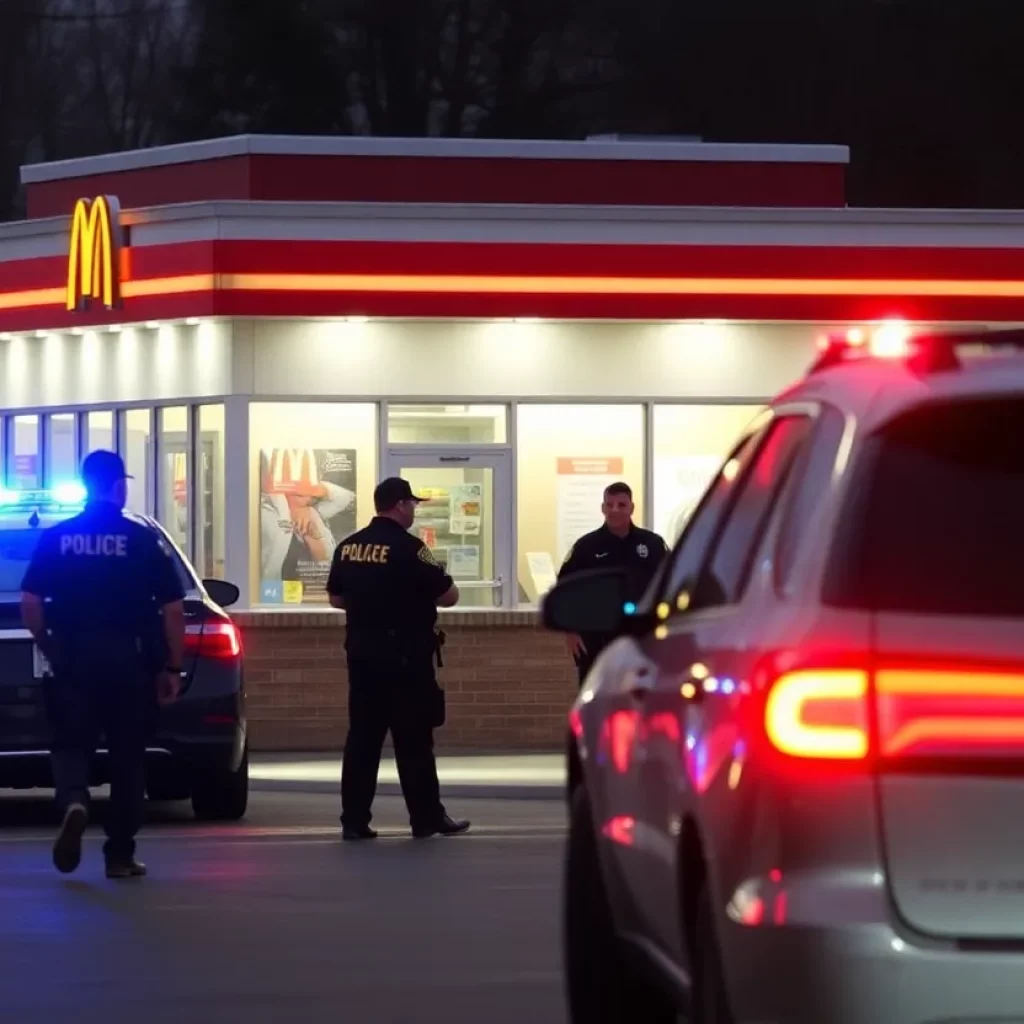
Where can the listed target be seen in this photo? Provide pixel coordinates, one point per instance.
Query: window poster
(466, 509)
(307, 506)
(464, 561)
(581, 486)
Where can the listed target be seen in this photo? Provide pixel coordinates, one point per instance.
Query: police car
(199, 750)
(797, 776)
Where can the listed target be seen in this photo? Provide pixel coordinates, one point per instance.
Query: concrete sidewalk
(509, 776)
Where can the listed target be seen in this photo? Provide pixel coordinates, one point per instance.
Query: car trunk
(932, 547)
(950, 733)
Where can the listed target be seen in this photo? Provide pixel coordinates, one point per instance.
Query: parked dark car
(199, 749)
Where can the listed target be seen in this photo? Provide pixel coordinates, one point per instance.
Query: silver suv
(797, 776)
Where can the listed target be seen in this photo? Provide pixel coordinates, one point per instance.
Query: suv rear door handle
(640, 683)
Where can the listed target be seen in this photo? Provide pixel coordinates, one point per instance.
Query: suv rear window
(937, 525)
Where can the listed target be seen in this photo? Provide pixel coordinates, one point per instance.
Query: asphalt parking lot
(275, 919)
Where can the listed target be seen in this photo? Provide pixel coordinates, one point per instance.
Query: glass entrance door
(467, 521)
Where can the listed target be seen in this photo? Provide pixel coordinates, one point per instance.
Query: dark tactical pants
(108, 698)
(385, 698)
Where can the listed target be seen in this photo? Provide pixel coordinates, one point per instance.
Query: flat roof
(495, 149)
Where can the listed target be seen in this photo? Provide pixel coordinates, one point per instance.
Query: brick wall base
(509, 684)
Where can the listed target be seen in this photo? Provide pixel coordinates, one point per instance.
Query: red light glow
(927, 711)
(621, 729)
(891, 340)
(213, 640)
(620, 829)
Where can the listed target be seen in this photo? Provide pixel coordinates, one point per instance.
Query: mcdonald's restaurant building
(265, 326)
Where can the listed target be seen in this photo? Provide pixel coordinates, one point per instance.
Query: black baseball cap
(102, 469)
(390, 492)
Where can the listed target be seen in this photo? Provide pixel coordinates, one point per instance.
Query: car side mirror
(587, 602)
(221, 592)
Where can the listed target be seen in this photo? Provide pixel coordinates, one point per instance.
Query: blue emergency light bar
(60, 497)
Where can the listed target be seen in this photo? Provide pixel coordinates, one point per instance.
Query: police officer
(390, 587)
(617, 544)
(104, 602)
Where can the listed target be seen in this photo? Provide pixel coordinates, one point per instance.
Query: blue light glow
(629, 608)
(67, 495)
(71, 493)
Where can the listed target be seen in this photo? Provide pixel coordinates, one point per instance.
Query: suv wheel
(222, 796)
(710, 1001)
(600, 987)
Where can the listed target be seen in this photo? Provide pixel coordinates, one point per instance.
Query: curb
(457, 790)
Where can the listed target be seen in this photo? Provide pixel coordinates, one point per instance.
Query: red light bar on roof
(922, 352)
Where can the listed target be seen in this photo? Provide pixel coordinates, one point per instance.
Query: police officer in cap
(104, 602)
(619, 544)
(390, 587)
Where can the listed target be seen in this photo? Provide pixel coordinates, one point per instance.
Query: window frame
(662, 585)
(758, 435)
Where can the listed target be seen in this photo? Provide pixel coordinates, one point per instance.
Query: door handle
(640, 683)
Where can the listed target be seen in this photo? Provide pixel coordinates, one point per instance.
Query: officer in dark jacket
(104, 602)
(390, 587)
(618, 544)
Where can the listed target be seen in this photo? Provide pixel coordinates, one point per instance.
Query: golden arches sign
(94, 255)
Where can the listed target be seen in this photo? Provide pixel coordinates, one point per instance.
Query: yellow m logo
(94, 255)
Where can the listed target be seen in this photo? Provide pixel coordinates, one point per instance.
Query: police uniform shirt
(388, 580)
(103, 572)
(639, 552)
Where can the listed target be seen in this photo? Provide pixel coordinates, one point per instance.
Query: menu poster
(464, 561)
(680, 483)
(307, 506)
(466, 509)
(581, 486)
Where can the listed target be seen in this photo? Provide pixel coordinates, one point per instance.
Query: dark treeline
(926, 92)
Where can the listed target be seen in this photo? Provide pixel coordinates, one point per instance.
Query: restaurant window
(136, 449)
(567, 456)
(61, 447)
(174, 471)
(209, 556)
(450, 423)
(314, 468)
(99, 431)
(23, 469)
(690, 444)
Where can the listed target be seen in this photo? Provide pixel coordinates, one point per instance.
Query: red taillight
(213, 640)
(821, 713)
(936, 712)
(926, 711)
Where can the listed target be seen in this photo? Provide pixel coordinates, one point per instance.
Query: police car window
(807, 490)
(692, 549)
(726, 575)
(936, 528)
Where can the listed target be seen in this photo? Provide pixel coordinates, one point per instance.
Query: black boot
(447, 826)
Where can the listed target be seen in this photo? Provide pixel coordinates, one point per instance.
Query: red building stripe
(455, 180)
(353, 257)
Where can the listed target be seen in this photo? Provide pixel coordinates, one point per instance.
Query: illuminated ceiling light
(115, 328)
(527, 320)
(41, 334)
(357, 319)
(192, 321)
(153, 325)
(78, 331)
(6, 336)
